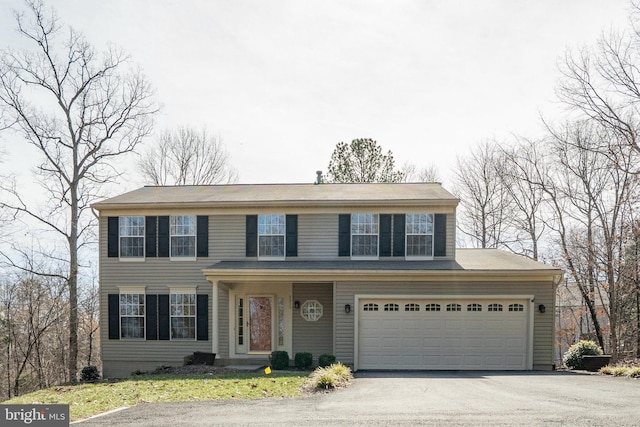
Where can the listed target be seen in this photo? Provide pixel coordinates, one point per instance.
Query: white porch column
(214, 317)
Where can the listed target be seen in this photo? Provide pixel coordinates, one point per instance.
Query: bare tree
(518, 166)
(603, 83)
(81, 110)
(591, 195)
(187, 156)
(427, 173)
(32, 307)
(629, 291)
(485, 202)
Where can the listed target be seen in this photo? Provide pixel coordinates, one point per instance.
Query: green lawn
(85, 400)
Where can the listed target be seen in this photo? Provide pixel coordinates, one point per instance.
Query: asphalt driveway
(419, 398)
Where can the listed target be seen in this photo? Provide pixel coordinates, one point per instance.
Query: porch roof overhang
(369, 271)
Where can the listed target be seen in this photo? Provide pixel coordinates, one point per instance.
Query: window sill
(132, 259)
(364, 258)
(182, 258)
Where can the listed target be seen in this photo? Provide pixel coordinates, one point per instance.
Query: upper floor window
(131, 236)
(132, 315)
(182, 307)
(364, 235)
(271, 235)
(182, 229)
(419, 237)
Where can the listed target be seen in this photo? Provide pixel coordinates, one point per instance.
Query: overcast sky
(282, 82)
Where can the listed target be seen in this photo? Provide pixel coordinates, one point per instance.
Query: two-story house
(366, 272)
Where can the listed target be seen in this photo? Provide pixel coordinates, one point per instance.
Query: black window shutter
(163, 236)
(113, 231)
(203, 236)
(399, 221)
(163, 317)
(114, 316)
(252, 236)
(151, 233)
(292, 235)
(344, 235)
(440, 235)
(385, 235)
(152, 316)
(202, 320)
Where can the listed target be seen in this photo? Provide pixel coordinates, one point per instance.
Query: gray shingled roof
(289, 194)
(487, 260)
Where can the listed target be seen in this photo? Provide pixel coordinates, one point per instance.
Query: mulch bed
(193, 370)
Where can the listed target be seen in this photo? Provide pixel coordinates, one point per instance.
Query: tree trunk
(73, 285)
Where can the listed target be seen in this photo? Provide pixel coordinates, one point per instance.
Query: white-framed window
(240, 310)
(132, 315)
(182, 231)
(432, 307)
(281, 326)
(182, 309)
(412, 307)
(311, 310)
(516, 307)
(494, 307)
(419, 235)
(131, 236)
(370, 307)
(271, 235)
(364, 235)
(391, 307)
(454, 307)
(474, 307)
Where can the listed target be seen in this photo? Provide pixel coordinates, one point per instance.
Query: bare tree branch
(104, 109)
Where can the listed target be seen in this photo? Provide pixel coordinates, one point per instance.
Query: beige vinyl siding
(451, 236)
(156, 275)
(313, 337)
(227, 237)
(318, 236)
(543, 322)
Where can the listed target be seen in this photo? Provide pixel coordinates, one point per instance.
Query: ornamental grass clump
(621, 371)
(330, 377)
(573, 357)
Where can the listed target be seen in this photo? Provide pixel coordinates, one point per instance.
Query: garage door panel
(421, 339)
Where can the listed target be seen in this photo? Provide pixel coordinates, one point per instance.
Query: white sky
(282, 82)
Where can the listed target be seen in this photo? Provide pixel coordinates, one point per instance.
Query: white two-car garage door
(443, 334)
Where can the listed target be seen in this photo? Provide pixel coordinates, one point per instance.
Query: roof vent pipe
(319, 177)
